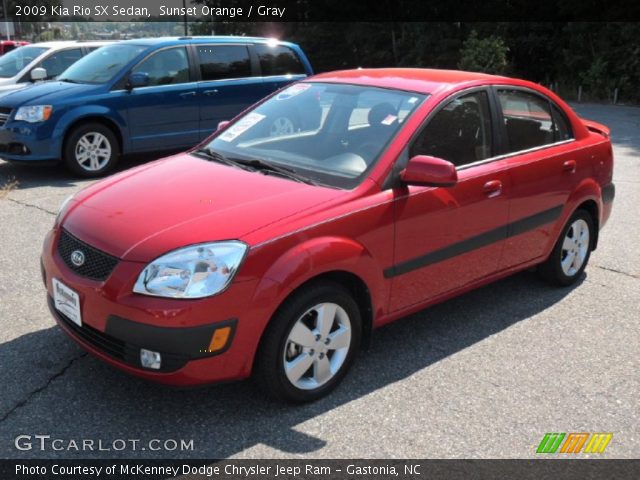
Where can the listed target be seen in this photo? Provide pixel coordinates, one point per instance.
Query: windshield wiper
(68, 80)
(265, 166)
(220, 158)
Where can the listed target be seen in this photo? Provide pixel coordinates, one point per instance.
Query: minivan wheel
(310, 344)
(282, 126)
(91, 150)
(572, 250)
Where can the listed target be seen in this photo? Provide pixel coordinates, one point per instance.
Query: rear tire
(571, 252)
(91, 150)
(302, 356)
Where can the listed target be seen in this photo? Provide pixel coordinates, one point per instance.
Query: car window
(58, 62)
(166, 67)
(13, 62)
(278, 60)
(527, 118)
(224, 61)
(373, 108)
(460, 132)
(561, 127)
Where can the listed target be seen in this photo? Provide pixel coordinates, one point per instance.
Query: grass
(7, 187)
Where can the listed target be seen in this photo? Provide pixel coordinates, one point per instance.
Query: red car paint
(297, 232)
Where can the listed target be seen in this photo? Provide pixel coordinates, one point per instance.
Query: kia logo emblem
(77, 258)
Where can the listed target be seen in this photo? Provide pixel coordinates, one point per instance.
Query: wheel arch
(107, 122)
(592, 208)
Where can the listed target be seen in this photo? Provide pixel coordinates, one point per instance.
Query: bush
(488, 55)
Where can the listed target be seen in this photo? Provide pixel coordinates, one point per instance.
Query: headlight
(34, 113)
(63, 208)
(192, 272)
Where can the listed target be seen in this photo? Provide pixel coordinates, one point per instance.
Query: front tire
(310, 344)
(91, 150)
(571, 252)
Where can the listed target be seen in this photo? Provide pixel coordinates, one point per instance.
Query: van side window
(459, 133)
(218, 62)
(278, 60)
(166, 67)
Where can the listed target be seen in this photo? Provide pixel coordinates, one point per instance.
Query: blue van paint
(152, 118)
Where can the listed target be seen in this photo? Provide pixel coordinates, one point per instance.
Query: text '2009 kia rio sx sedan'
(276, 256)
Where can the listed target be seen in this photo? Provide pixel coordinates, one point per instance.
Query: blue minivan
(145, 95)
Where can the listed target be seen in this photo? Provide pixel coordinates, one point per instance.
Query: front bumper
(123, 340)
(118, 323)
(25, 142)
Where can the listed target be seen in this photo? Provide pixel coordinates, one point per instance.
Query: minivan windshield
(101, 65)
(329, 134)
(13, 62)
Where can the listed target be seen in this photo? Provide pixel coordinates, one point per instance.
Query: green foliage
(488, 55)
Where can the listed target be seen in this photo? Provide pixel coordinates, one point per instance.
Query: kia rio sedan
(276, 256)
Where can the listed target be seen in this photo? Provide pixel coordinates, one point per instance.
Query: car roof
(422, 80)
(163, 41)
(69, 43)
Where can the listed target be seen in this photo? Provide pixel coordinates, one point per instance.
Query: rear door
(228, 83)
(448, 237)
(164, 114)
(543, 166)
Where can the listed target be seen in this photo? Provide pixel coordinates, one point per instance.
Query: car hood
(8, 87)
(145, 212)
(51, 92)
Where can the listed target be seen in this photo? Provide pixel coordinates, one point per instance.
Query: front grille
(5, 113)
(114, 347)
(97, 264)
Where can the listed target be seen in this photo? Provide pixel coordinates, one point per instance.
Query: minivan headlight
(34, 113)
(192, 272)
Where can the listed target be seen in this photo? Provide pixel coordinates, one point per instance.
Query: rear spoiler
(596, 127)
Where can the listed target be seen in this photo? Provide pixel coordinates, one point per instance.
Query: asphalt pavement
(485, 375)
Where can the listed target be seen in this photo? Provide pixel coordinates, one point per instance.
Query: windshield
(101, 65)
(329, 133)
(13, 62)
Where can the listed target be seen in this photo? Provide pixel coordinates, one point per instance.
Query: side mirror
(38, 73)
(137, 80)
(423, 170)
(222, 125)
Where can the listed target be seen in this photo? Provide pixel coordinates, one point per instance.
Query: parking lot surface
(485, 375)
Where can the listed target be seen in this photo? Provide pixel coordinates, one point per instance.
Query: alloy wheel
(93, 151)
(317, 346)
(575, 247)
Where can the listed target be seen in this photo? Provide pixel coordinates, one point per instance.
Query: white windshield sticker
(412, 100)
(240, 127)
(388, 120)
(293, 90)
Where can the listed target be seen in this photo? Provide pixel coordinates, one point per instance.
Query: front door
(447, 237)
(164, 114)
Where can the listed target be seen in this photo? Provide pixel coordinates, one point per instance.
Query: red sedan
(277, 253)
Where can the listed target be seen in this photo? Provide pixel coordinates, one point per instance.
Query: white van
(41, 61)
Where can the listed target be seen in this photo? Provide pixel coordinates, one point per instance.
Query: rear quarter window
(278, 60)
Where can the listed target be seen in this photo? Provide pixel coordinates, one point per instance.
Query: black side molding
(497, 234)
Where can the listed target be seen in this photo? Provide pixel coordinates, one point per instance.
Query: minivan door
(164, 114)
(279, 66)
(227, 85)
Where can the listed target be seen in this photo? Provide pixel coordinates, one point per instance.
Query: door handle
(188, 94)
(492, 188)
(569, 166)
(210, 92)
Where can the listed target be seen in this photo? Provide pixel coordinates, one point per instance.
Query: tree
(488, 55)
